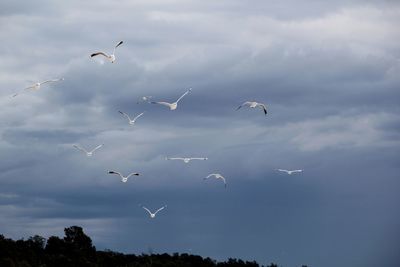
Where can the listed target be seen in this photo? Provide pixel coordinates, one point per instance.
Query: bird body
(186, 160)
(131, 121)
(124, 179)
(289, 171)
(217, 176)
(88, 153)
(254, 104)
(153, 215)
(174, 105)
(109, 57)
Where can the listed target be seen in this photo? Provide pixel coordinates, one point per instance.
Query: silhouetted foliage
(76, 250)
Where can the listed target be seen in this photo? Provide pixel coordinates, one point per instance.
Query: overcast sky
(329, 74)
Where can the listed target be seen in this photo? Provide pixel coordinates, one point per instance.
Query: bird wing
(174, 158)
(80, 148)
(100, 53)
(126, 115)
(138, 116)
(199, 158)
(162, 103)
(263, 107)
(133, 173)
(51, 81)
(190, 89)
(17, 93)
(211, 174)
(147, 210)
(115, 172)
(97, 147)
(245, 103)
(222, 178)
(120, 43)
(159, 210)
(281, 170)
(297, 170)
(115, 47)
(29, 87)
(26, 88)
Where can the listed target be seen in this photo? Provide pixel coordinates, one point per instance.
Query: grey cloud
(331, 93)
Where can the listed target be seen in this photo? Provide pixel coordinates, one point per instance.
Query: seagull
(88, 153)
(124, 179)
(152, 215)
(254, 104)
(217, 176)
(109, 57)
(131, 121)
(172, 106)
(289, 172)
(37, 85)
(144, 99)
(186, 160)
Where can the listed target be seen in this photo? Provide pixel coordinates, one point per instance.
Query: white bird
(124, 179)
(174, 105)
(144, 99)
(109, 57)
(131, 121)
(253, 104)
(289, 172)
(37, 85)
(88, 153)
(152, 215)
(186, 160)
(217, 176)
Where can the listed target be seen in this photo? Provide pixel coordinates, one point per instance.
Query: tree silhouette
(77, 239)
(76, 250)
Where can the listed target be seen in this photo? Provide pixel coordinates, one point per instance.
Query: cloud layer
(328, 73)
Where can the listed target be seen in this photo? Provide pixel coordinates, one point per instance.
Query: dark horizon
(76, 249)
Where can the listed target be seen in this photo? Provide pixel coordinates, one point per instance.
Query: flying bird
(109, 57)
(88, 153)
(253, 104)
(217, 176)
(290, 172)
(124, 179)
(37, 85)
(174, 105)
(152, 215)
(186, 160)
(131, 121)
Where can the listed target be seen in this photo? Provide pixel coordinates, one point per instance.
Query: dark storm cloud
(327, 72)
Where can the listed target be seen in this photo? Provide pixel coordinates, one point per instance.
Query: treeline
(76, 249)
